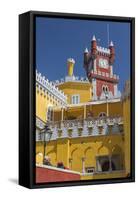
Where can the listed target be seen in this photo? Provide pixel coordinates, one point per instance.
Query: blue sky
(58, 39)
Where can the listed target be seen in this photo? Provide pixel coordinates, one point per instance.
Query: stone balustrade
(86, 127)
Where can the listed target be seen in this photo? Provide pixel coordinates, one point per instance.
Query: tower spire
(111, 44)
(86, 50)
(93, 38)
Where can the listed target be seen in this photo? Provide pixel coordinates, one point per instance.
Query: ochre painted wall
(126, 114)
(43, 101)
(77, 112)
(75, 88)
(74, 149)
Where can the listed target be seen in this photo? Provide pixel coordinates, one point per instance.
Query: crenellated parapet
(71, 79)
(103, 51)
(44, 84)
(98, 64)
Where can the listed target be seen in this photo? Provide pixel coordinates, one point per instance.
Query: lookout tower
(98, 64)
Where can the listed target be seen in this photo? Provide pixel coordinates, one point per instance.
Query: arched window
(103, 88)
(106, 88)
(49, 113)
(102, 114)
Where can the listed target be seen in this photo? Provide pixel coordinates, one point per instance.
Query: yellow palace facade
(88, 136)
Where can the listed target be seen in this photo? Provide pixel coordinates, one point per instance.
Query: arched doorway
(76, 162)
(107, 166)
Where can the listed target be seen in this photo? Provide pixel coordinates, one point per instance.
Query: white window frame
(75, 99)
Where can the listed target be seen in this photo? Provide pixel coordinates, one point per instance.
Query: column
(70, 163)
(63, 150)
(84, 113)
(110, 163)
(62, 113)
(107, 108)
(53, 115)
(83, 164)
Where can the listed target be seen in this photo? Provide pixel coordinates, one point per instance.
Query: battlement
(71, 79)
(49, 86)
(103, 50)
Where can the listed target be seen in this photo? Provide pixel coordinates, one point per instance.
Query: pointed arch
(87, 149)
(89, 154)
(76, 160)
(116, 149)
(73, 151)
(118, 157)
(103, 150)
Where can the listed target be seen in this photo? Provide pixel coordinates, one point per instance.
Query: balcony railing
(86, 127)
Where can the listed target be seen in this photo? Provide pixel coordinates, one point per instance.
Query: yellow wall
(85, 147)
(126, 114)
(71, 150)
(74, 88)
(114, 109)
(112, 175)
(43, 101)
(41, 105)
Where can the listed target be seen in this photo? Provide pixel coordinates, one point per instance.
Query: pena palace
(83, 123)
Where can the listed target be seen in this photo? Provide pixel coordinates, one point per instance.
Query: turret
(112, 53)
(85, 58)
(94, 47)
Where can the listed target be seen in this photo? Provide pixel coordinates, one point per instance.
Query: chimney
(70, 65)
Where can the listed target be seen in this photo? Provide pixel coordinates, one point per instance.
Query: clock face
(103, 63)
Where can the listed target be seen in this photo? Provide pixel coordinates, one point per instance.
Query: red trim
(45, 175)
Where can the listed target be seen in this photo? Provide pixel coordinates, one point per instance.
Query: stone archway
(90, 161)
(118, 157)
(76, 161)
(103, 150)
(103, 159)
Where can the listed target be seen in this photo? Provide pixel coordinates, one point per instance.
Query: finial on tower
(93, 38)
(111, 44)
(86, 50)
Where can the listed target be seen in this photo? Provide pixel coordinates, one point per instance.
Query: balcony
(102, 75)
(86, 127)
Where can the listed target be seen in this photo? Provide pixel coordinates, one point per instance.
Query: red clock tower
(98, 63)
